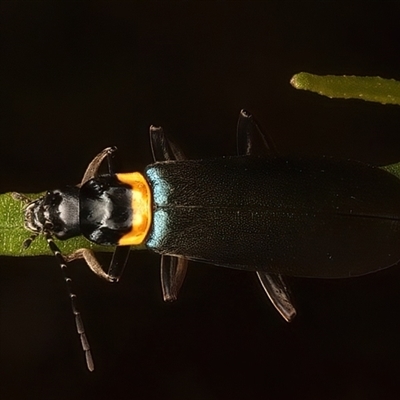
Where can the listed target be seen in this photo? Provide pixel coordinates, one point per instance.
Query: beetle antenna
(20, 197)
(28, 242)
(78, 318)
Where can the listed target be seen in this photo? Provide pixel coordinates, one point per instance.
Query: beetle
(258, 211)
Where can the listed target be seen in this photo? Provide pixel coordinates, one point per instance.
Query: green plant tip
(368, 88)
(394, 169)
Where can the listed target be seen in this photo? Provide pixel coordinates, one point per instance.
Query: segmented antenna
(63, 264)
(78, 319)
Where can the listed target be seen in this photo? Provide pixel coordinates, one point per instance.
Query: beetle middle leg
(252, 141)
(173, 269)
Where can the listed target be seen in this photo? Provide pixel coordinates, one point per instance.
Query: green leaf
(369, 88)
(13, 233)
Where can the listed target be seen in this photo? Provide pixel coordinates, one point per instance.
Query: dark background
(77, 77)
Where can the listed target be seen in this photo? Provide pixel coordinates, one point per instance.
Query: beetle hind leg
(251, 140)
(279, 294)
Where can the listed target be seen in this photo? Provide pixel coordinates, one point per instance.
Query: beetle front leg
(92, 262)
(94, 165)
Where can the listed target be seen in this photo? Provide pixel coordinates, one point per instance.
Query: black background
(79, 76)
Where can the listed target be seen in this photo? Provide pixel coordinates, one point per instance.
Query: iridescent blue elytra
(292, 216)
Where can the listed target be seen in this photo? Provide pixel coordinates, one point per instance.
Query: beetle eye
(55, 199)
(48, 226)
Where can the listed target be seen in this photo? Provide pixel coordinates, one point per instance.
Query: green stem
(385, 91)
(394, 169)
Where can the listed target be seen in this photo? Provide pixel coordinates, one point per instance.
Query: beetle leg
(173, 272)
(93, 167)
(278, 293)
(251, 140)
(173, 269)
(118, 262)
(91, 261)
(117, 265)
(162, 148)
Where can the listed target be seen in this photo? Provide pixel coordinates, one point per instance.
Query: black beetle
(258, 211)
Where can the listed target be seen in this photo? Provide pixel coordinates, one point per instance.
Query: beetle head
(57, 212)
